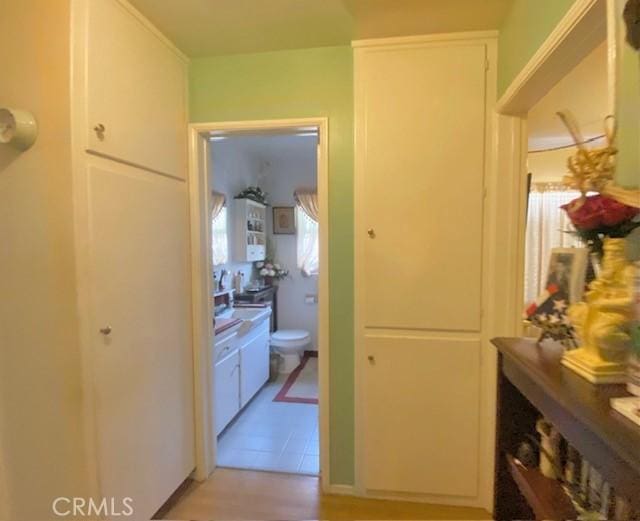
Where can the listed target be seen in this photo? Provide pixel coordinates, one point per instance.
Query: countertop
(222, 324)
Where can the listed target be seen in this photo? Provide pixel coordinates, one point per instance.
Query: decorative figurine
(602, 221)
(602, 322)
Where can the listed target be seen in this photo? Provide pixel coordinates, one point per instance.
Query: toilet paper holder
(18, 128)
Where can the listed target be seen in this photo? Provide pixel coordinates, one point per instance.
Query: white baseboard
(341, 490)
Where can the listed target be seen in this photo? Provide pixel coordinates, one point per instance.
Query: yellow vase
(602, 321)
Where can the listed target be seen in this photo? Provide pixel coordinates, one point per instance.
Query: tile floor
(273, 436)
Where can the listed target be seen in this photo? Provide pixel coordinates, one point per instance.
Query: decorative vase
(269, 281)
(603, 321)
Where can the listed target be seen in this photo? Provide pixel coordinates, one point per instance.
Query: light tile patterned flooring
(273, 436)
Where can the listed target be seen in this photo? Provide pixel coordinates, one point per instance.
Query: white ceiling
(584, 92)
(272, 148)
(216, 27)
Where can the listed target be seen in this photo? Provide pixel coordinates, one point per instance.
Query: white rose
(264, 272)
(272, 273)
(276, 266)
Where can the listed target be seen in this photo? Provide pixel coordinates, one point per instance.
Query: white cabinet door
(421, 415)
(254, 362)
(420, 165)
(422, 111)
(136, 88)
(226, 397)
(142, 371)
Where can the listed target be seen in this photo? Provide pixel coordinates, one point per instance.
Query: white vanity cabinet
(241, 368)
(227, 386)
(254, 362)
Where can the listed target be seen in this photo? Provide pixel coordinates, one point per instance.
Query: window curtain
(547, 227)
(308, 242)
(217, 202)
(219, 236)
(308, 201)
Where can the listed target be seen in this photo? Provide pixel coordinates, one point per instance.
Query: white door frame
(201, 265)
(581, 29)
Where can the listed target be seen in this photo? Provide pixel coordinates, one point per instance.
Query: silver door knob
(371, 233)
(106, 331)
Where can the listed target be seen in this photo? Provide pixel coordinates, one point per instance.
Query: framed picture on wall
(284, 220)
(567, 272)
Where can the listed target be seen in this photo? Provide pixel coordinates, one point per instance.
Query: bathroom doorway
(262, 295)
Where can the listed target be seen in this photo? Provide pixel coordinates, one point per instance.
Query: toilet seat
(290, 338)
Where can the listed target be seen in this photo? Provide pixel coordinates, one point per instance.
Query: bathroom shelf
(250, 245)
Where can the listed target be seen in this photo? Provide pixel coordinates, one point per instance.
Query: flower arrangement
(253, 193)
(271, 270)
(597, 217)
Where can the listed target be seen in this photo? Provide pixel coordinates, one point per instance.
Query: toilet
(290, 344)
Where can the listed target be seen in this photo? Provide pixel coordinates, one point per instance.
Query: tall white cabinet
(132, 234)
(422, 109)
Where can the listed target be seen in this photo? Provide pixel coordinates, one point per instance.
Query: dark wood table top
(578, 408)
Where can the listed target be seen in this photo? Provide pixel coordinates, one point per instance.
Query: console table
(533, 383)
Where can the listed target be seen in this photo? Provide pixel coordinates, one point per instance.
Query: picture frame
(568, 271)
(284, 220)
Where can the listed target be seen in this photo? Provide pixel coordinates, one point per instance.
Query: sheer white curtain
(219, 236)
(547, 227)
(307, 237)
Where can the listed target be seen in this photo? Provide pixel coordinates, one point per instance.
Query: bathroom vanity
(267, 295)
(240, 361)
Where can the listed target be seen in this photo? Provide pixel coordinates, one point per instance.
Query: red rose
(597, 211)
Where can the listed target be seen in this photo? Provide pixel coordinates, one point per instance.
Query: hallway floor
(274, 436)
(239, 495)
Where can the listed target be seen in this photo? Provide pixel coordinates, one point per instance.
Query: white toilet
(290, 344)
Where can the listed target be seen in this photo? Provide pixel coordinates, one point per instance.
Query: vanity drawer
(224, 347)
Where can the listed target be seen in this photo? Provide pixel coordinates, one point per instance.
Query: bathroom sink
(252, 315)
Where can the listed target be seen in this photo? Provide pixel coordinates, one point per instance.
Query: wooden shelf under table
(532, 382)
(546, 496)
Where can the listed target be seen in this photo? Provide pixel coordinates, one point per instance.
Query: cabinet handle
(106, 331)
(371, 233)
(372, 359)
(100, 129)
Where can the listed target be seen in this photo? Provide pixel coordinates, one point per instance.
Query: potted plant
(271, 272)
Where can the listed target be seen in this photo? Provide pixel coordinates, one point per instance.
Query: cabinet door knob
(372, 359)
(106, 331)
(100, 129)
(371, 232)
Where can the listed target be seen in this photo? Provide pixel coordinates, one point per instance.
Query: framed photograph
(567, 273)
(284, 220)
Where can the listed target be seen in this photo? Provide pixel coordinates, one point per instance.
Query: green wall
(526, 27)
(294, 84)
(628, 108)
